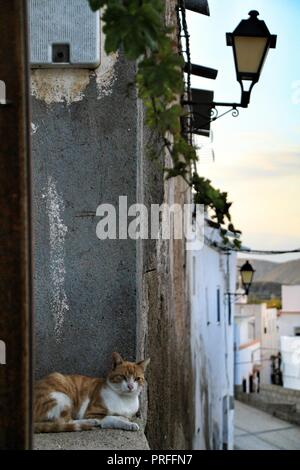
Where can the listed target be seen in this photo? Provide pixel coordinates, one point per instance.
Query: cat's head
(127, 378)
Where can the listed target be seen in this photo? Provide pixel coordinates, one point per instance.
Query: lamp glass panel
(247, 277)
(249, 53)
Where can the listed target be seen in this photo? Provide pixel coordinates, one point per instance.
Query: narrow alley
(256, 430)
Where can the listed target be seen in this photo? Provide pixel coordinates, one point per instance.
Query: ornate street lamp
(251, 42)
(247, 274)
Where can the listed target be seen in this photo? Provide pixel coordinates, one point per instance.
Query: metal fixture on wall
(201, 115)
(201, 71)
(247, 274)
(251, 42)
(59, 39)
(198, 6)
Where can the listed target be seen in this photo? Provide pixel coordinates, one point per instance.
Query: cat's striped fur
(65, 403)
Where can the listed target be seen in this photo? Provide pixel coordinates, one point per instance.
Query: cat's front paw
(94, 422)
(133, 427)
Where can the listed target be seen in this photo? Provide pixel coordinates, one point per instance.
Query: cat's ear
(144, 363)
(117, 359)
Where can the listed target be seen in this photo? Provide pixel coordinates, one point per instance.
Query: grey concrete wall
(85, 143)
(93, 297)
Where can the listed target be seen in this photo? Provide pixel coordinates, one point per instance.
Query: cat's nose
(130, 386)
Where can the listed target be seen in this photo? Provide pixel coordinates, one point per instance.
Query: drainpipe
(15, 233)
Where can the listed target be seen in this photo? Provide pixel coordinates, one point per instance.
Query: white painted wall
(290, 350)
(269, 341)
(265, 331)
(245, 361)
(290, 298)
(212, 344)
(287, 322)
(244, 329)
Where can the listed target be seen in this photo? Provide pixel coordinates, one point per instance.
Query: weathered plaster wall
(163, 329)
(165, 301)
(85, 130)
(170, 414)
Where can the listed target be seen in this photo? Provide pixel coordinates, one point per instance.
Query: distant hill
(262, 291)
(282, 273)
(262, 268)
(270, 276)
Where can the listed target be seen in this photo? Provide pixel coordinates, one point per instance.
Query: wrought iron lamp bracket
(233, 109)
(214, 112)
(235, 295)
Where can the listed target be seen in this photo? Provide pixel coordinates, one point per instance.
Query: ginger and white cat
(77, 403)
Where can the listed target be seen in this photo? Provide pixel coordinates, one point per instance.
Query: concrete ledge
(106, 439)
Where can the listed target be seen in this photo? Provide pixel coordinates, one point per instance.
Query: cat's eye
(137, 379)
(118, 378)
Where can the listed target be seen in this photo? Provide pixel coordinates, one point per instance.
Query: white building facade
(289, 336)
(256, 340)
(289, 316)
(212, 276)
(290, 352)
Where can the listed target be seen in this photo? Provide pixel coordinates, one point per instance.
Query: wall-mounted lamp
(251, 42)
(247, 274)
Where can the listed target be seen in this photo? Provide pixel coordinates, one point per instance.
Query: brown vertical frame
(15, 253)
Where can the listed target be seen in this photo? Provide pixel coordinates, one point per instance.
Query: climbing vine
(138, 27)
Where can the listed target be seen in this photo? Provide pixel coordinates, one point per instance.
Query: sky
(257, 155)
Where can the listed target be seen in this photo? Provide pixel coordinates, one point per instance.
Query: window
(297, 331)
(218, 305)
